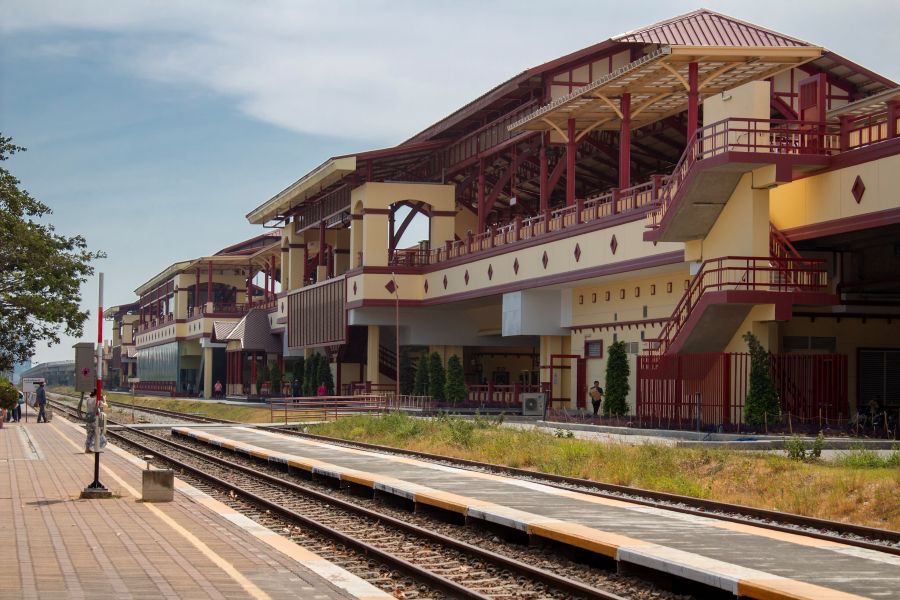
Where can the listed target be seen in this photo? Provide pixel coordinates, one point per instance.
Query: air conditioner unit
(533, 404)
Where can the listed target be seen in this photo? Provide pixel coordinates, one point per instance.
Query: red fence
(811, 388)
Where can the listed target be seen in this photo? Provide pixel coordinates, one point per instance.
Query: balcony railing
(748, 273)
(596, 209)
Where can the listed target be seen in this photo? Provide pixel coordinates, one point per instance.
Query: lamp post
(396, 338)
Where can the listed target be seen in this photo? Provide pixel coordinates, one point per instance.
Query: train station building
(672, 187)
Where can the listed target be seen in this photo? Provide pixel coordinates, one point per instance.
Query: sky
(153, 127)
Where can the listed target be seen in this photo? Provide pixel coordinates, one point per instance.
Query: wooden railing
(740, 273)
(501, 395)
(325, 408)
(769, 136)
(857, 132)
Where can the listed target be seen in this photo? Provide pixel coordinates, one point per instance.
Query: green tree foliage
(761, 405)
(455, 390)
(9, 395)
(407, 373)
(261, 376)
(617, 387)
(309, 377)
(324, 374)
(274, 379)
(41, 272)
(297, 372)
(436, 377)
(421, 383)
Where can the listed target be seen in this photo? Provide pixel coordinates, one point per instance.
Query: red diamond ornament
(354, 287)
(445, 282)
(390, 287)
(490, 272)
(545, 259)
(577, 252)
(466, 277)
(613, 244)
(858, 189)
(516, 266)
(426, 286)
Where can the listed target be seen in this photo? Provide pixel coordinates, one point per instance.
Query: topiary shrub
(421, 382)
(617, 371)
(407, 373)
(261, 373)
(436, 377)
(274, 379)
(455, 390)
(324, 375)
(761, 405)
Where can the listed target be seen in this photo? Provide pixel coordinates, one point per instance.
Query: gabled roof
(704, 27)
(252, 332)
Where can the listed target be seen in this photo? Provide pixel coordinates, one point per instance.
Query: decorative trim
(443, 213)
(376, 211)
(614, 325)
(626, 266)
(858, 189)
(843, 225)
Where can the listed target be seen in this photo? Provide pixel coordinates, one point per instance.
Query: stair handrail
(713, 276)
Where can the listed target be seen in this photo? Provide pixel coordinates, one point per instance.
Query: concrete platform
(57, 546)
(740, 559)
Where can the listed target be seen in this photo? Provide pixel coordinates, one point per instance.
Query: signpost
(133, 381)
(29, 387)
(96, 489)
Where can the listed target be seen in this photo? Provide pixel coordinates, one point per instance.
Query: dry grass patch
(855, 494)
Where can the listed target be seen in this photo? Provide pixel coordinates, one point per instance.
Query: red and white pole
(100, 342)
(96, 489)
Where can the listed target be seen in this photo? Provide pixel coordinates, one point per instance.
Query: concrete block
(158, 485)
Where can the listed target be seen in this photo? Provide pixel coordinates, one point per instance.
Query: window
(593, 349)
(879, 377)
(637, 291)
(607, 295)
(652, 289)
(594, 298)
(581, 299)
(622, 294)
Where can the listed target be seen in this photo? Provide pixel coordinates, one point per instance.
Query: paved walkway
(57, 546)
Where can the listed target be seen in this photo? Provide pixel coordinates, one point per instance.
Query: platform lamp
(96, 489)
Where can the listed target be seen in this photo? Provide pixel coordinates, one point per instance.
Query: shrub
(421, 382)
(617, 370)
(274, 379)
(455, 388)
(863, 458)
(407, 373)
(309, 376)
(795, 448)
(9, 395)
(761, 405)
(436, 377)
(324, 375)
(261, 373)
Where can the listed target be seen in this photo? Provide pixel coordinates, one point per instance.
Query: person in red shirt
(217, 390)
(322, 391)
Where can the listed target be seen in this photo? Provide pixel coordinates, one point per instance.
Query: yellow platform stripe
(790, 589)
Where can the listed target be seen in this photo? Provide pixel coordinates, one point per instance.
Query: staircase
(716, 159)
(722, 293)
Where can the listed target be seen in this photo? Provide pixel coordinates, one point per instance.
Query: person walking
(596, 394)
(42, 403)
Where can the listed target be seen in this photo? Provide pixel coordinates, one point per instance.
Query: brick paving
(58, 546)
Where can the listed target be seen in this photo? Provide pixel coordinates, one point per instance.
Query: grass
(860, 487)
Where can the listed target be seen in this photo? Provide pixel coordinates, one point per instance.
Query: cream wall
(750, 100)
(828, 196)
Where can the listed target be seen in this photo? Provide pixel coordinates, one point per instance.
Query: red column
(482, 209)
(197, 290)
(693, 100)
(570, 163)
(545, 193)
(252, 371)
(625, 143)
(249, 285)
(893, 112)
(266, 284)
(209, 285)
(305, 263)
(274, 270)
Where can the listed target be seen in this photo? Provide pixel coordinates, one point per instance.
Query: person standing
(295, 387)
(217, 389)
(596, 394)
(41, 402)
(322, 391)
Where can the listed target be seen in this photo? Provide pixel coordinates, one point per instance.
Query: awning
(253, 333)
(658, 85)
(867, 106)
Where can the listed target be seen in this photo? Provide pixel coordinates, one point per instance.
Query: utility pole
(96, 489)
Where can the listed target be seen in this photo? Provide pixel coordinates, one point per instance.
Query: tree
(261, 373)
(617, 387)
(435, 377)
(298, 370)
(9, 395)
(324, 374)
(761, 405)
(455, 388)
(274, 379)
(407, 373)
(309, 377)
(421, 383)
(41, 272)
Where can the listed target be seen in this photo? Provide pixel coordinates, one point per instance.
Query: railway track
(431, 560)
(882, 540)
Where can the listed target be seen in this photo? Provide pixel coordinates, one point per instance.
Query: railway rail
(457, 568)
(882, 540)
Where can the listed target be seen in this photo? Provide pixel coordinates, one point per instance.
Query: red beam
(625, 143)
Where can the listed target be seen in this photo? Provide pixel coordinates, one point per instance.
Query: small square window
(594, 298)
(593, 349)
(637, 291)
(581, 299)
(652, 289)
(607, 295)
(622, 294)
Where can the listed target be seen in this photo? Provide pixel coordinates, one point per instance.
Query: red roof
(704, 27)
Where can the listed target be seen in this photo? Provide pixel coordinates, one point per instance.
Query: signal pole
(96, 489)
